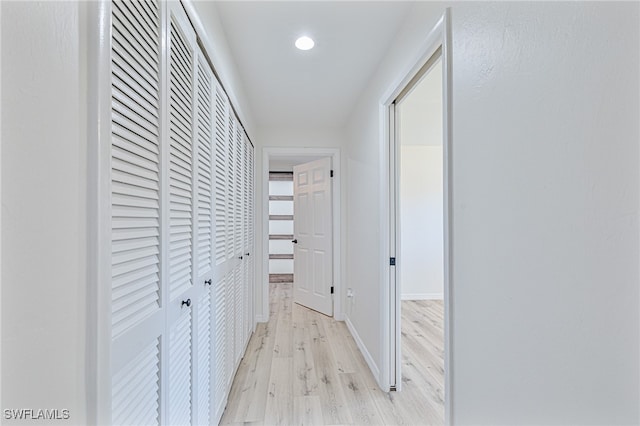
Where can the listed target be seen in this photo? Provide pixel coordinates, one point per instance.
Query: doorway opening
(416, 141)
(301, 205)
(420, 245)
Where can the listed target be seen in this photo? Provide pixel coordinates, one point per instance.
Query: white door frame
(440, 36)
(334, 153)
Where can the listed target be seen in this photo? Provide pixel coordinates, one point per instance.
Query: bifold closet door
(203, 183)
(181, 224)
(137, 310)
(183, 292)
(249, 237)
(224, 255)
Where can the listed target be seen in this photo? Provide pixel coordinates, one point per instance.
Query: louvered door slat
(145, 45)
(144, 16)
(229, 324)
(230, 187)
(237, 141)
(180, 164)
(130, 58)
(124, 104)
(179, 386)
(221, 177)
(136, 390)
(131, 147)
(124, 67)
(220, 344)
(135, 171)
(204, 358)
(203, 182)
(237, 325)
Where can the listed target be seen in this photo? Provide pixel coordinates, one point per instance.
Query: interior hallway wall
(545, 184)
(421, 200)
(44, 216)
(421, 253)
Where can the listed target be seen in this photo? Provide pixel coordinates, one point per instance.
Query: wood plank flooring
(304, 368)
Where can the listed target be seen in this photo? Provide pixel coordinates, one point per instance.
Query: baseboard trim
(422, 296)
(363, 349)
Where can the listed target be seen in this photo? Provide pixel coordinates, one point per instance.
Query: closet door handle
(186, 302)
(207, 282)
(240, 257)
(295, 241)
(246, 254)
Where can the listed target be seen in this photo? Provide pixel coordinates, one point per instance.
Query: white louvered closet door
(249, 235)
(221, 362)
(181, 212)
(238, 241)
(245, 239)
(203, 272)
(181, 258)
(252, 234)
(137, 315)
(233, 250)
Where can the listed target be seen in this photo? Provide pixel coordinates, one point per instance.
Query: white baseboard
(363, 349)
(422, 296)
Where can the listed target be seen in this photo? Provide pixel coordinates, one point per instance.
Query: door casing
(267, 154)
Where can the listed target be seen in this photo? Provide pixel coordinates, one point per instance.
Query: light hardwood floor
(304, 368)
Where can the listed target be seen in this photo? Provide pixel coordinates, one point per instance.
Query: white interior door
(312, 228)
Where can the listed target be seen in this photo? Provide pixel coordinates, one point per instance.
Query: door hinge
(392, 261)
(331, 289)
(331, 174)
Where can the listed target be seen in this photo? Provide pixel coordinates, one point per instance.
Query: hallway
(305, 368)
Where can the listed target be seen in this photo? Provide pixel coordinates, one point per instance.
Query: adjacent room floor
(303, 367)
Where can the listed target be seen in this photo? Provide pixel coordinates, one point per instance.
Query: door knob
(207, 282)
(240, 257)
(186, 302)
(294, 241)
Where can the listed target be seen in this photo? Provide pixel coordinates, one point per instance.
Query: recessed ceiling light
(304, 43)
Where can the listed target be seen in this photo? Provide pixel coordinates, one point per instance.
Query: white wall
(545, 193)
(44, 207)
(421, 250)
(421, 253)
(550, 177)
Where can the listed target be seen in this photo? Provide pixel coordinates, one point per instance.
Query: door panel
(203, 243)
(137, 314)
(313, 258)
(182, 228)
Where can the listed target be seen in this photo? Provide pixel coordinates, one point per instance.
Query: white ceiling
(317, 88)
